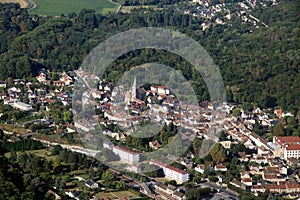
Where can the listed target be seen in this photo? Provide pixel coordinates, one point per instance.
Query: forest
(259, 67)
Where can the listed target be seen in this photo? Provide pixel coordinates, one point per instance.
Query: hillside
(259, 66)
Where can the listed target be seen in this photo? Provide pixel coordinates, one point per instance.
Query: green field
(58, 7)
(41, 153)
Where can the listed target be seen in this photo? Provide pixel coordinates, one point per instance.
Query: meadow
(58, 7)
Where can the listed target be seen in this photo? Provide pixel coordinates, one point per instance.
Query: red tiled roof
(293, 147)
(161, 164)
(281, 186)
(126, 150)
(246, 180)
(221, 166)
(287, 140)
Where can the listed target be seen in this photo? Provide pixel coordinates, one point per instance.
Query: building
(66, 79)
(220, 167)
(42, 78)
(276, 149)
(160, 90)
(91, 184)
(171, 172)
(226, 144)
(22, 106)
(259, 141)
(126, 155)
(84, 125)
(200, 168)
(290, 146)
(154, 145)
(3, 84)
(277, 188)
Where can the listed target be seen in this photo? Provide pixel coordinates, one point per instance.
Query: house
(84, 125)
(220, 167)
(259, 141)
(161, 187)
(154, 145)
(273, 174)
(226, 144)
(247, 181)
(72, 194)
(200, 168)
(3, 84)
(59, 83)
(221, 178)
(161, 190)
(245, 174)
(42, 78)
(160, 90)
(286, 187)
(243, 156)
(66, 79)
(178, 195)
(237, 184)
(278, 112)
(3, 95)
(91, 184)
(70, 128)
(171, 189)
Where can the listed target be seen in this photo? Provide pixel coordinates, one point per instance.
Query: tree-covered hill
(258, 65)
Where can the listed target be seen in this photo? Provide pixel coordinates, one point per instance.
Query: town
(244, 157)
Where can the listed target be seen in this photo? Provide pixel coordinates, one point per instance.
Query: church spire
(133, 89)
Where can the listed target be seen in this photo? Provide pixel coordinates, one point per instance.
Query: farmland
(58, 7)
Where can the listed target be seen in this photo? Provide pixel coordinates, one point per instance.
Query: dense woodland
(260, 67)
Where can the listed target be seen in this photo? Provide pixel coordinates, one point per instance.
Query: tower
(133, 90)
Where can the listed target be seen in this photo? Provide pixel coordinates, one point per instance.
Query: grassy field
(57, 7)
(127, 9)
(41, 153)
(22, 3)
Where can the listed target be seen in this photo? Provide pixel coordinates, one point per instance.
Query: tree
(278, 130)
(57, 149)
(68, 116)
(107, 178)
(236, 112)
(121, 185)
(218, 153)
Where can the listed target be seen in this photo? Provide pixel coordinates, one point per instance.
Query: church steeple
(133, 89)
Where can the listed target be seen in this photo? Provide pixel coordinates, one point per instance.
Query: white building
(290, 146)
(160, 89)
(126, 155)
(22, 106)
(171, 172)
(84, 125)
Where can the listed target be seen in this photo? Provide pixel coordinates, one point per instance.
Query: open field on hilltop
(127, 9)
(23, 3)
(58, 7)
